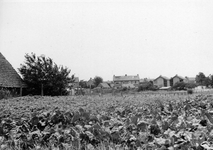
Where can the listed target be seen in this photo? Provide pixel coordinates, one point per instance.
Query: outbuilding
(9, 78)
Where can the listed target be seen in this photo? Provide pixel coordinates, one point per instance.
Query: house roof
(126, 78)
(8, 76)
(164, 77)
(90, 82)
(178, 76)
(104, 85)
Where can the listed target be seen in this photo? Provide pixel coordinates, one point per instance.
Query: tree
(83, 84)
(41, 74)
(200, 78)
(190, 85)
(97, 80)
(211, 79)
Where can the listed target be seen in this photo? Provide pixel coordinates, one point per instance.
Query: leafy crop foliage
(39, 70)
(148, 123)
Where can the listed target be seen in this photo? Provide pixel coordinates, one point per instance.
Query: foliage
(155, 124)
(83, 84)
(179, 86)
(124, 89)
(97, 80)
(190, 85)
(4, 93)
(200, 78)
(40, 70)
(147, 86)
(189, 91)
(183, 86)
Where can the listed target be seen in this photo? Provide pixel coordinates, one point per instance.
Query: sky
(111, 37)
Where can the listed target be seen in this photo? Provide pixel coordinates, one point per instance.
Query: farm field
(108, 122)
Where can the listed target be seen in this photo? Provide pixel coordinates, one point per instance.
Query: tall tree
(40, 72)
(97, 80)
(83, 84)
(201, 78)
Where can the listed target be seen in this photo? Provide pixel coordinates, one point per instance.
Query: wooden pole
(90, 89)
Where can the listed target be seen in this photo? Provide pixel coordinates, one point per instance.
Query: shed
(9, 78)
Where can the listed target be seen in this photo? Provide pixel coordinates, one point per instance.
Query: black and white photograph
(106, 75)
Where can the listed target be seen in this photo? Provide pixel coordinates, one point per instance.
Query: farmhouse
(176, 79)
(9, 78)
(120, 81)
(161, 81)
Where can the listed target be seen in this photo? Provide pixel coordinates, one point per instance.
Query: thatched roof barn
(9, 78)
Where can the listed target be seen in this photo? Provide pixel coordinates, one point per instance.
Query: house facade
(161, 81)
(176, 79)
(121, 81)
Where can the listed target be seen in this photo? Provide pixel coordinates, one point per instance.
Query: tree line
(44, 77)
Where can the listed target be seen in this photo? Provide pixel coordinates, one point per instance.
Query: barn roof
(180, 77)
(104, 85)
(8, 76)
(166, 78)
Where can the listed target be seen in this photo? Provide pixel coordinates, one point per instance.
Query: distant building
(120, 81)
(161, 81)
(145, 80)
(90, 83)
(74, 83)
(104, 85)
(189, 80)
(176, 79)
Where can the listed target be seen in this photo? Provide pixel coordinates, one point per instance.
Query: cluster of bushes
(4, 93)
(183, 86)
(148, 86)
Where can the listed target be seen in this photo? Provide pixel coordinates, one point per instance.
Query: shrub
(190, 91)
(179, 86)
(124, 89)
(4, 93)
(147, 86)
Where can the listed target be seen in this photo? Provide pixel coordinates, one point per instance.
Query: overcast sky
(111, 37)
